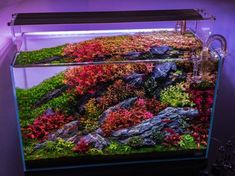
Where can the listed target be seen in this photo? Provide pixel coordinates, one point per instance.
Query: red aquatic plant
(45, 124)
(85, 51)
(204, 101)
(85, 79)
(117, 92)
(200, 134)
(151, 105)
(82, 146)
(123, 118)
(172, 138)
(99, 47)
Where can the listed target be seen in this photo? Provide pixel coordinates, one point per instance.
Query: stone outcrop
(168, 118)
(124, 104)
(135, 79)
(161, 71)
(95, 140)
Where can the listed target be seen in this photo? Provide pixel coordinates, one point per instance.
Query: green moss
(28, 98)
(117, 148)
(51, 149)
(60, 103)
(175, 96)
(30, 57)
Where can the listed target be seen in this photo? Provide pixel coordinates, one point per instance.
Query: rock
(132, 55)
(124, 104)
(135, 79)
(162, 76)
(148, 142)
(159, 50)
(49, 60)
(53, 94)
(68, 130)
(168, 118)
(99, 131)
(162, 70)
(49, 112)
(95, 140)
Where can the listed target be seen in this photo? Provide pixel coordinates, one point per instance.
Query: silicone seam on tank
(17, 119)
(220, 69)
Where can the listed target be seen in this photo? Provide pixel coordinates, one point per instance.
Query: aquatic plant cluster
(120, 108)
(139, 46)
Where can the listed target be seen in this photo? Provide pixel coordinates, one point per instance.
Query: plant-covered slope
(31, 57)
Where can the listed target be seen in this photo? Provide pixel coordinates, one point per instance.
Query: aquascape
(139, 93)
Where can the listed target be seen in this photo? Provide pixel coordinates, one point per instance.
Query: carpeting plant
(50, 149)
(30, 57)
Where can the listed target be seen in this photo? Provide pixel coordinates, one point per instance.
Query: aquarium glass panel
(112, 96)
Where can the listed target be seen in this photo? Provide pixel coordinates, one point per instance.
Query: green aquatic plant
(27, 99)
(187, 142)
(50, 149)
(178, 72)
(115, 147)
(95, 151)
(175, 96)
(30, 57)
(88, 124)
(58, 146)
(157, 137)
(92, 111)
(150, 87)
(60, 103)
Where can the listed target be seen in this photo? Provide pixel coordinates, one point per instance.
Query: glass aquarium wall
(105, 96)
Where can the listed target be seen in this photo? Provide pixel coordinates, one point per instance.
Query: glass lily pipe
(118, 87)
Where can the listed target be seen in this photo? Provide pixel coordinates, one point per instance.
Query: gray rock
(159, 50)
(53, 94)
(148, 142)
(67, 131)
(124, 104)
(135, 79)
(168, 118)
(95, 140)
(132, 55)
(162, 70)
(49, 112)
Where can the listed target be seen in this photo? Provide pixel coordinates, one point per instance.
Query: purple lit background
(10, 161)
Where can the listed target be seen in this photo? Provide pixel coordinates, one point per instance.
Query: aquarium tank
(95, 88)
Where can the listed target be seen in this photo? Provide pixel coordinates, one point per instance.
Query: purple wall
(10, 161)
